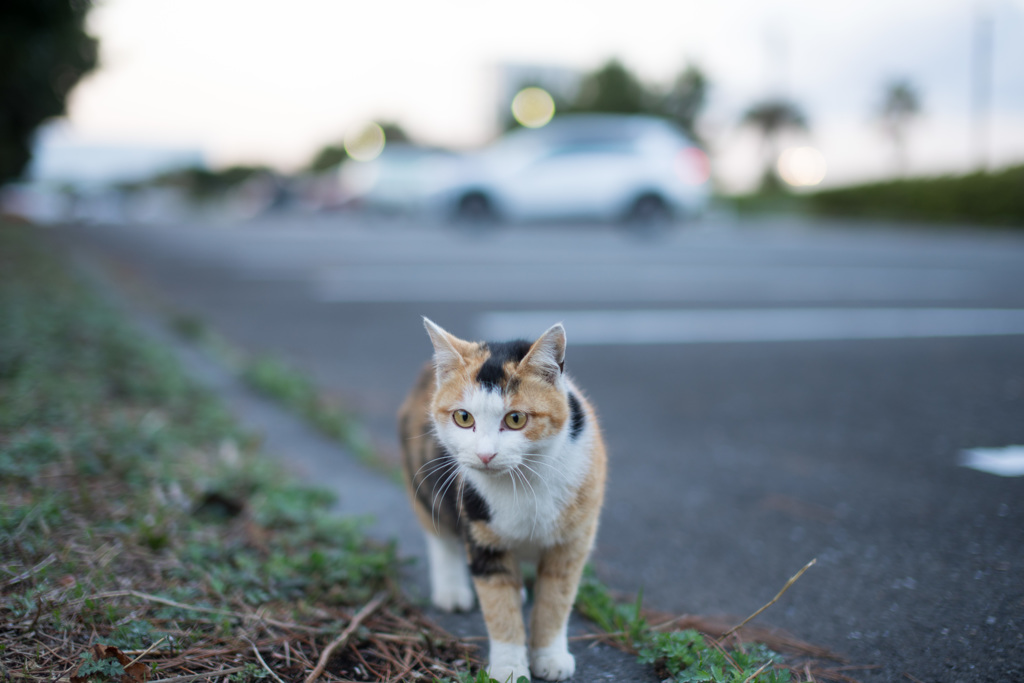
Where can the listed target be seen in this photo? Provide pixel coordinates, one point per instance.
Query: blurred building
(59, 158)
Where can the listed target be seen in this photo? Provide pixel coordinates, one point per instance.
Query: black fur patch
(486, 561)
(474, 505)
(578, 418)
(492, 372)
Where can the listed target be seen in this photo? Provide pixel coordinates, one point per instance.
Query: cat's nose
(486, 458)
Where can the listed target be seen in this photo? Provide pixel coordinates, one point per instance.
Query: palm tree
(771, 118)
(900, 106)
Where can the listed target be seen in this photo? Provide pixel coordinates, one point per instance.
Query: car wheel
(475, 207)
(649, 210)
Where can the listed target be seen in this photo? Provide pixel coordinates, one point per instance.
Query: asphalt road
(771, 392)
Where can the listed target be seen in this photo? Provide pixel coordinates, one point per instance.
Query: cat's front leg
(450, 587)
(498, 587)
(558, 578)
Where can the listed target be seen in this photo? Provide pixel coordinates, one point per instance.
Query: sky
(248, 81)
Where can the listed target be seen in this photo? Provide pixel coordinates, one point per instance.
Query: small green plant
(250, 673)
(596, 603)
(688, 658)
(105, 670)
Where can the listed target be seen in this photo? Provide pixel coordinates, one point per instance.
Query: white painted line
(1004, 462)
(753, 325)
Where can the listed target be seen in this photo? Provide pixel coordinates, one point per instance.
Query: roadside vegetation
(995, 199)
(142, 535)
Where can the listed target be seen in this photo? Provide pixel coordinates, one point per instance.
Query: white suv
(583, 166)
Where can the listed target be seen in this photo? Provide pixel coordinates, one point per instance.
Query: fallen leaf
(136, 673)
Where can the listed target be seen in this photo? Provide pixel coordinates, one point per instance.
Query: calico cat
(504, 463)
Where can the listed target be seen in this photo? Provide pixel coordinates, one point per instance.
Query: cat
(504, 462)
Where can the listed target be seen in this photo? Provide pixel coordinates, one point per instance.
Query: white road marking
(753, 325)
(1004, 462)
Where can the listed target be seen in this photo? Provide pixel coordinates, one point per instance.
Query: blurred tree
(612, 89)
(44, 51)
(202, 184)
(333, 155)
(685, 100)
(900, 106)
(393, 132)
(771, 118)
(327, 158)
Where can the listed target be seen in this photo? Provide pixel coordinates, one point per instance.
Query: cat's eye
(463, 418)
(515, 420)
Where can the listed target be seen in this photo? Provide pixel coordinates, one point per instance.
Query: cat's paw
(457, 597)
(508, 663)
(508, 674)
(553, 663)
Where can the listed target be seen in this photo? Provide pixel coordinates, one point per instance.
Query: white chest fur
(526, 504)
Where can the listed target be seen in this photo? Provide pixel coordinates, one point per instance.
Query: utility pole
(981, 86)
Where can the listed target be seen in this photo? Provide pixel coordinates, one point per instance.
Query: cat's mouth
(490, 468)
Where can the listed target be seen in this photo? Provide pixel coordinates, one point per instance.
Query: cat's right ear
(448, 350)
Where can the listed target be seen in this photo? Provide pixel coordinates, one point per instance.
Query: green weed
(106, 670)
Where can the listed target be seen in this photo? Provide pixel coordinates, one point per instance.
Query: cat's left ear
(547, 355)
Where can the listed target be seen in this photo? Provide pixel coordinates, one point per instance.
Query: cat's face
(498, 405)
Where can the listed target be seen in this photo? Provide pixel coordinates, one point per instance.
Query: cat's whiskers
(435, 503)
(536, 503)
(420, 436)
(437, 466)
(515, 498)
(537, 459)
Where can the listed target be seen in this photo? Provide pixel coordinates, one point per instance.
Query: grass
(137, 522)
(688, 649)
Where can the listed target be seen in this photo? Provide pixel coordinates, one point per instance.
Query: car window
(588, 149)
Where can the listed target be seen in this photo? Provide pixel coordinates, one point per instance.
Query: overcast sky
(270, 82)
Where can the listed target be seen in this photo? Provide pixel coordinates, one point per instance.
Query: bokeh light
(533, 107)
(802, 166)
(365, 143)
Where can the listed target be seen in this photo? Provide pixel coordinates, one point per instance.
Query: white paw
(508, 674)
(553, 664)
(457, 597)
(508, 663)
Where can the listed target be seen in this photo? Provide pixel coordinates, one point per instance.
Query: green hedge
(979, 198)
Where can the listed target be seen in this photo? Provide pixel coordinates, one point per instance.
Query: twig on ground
(755, 674)
(270, 671)
(771, 602)
(26, 574)
(145, 652)
(206, 610)
(325, 656)
(205, 674)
